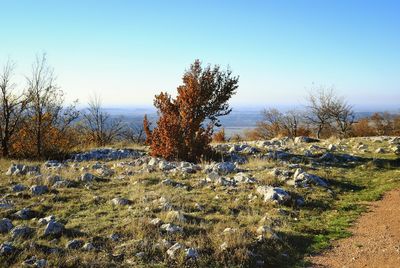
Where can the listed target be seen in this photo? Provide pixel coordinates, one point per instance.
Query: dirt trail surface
(375, 241)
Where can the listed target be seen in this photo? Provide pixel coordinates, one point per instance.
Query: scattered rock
(46, 220)
(303, 139)
(156, 222)
(303, 179)
(332, 147)
(25, 214)
(221, 168)
(174, 250)
(5, 225)
(88, 247)
(106, 154)
(275, 194)
(120, 201)
(6, 248)
(328, 157)
(18, 188)
(21, 231)
(74, 244)
(54, 228)
(51, 180)
(53, 164)
(19, 169)
(39, 189)
(380, 151)
(244, 178)
(62, 184)
(191, 253)
(34, 262)
(115, 237)
(88, 177)
(171, 228)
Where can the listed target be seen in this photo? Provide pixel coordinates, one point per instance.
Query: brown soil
(375, 241)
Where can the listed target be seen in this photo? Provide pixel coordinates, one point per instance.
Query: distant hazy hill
(235, 122)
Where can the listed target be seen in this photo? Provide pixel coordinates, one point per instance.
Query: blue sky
(128, 51)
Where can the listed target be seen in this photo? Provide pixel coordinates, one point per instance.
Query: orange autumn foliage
(56, 143)
(185, 125)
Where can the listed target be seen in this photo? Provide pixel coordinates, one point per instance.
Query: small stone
(156, 222)
(223, 246)
(140, 254)
(54, 228)
(115, 237)
(5, 225)
(18, 188)
(120, 201)
(6, 248)
(88, 177)
(74, 244)
(46, 220)
(88, 247)
(170, 228)
(273, 194)
(173, 251)
(21, 231)
(39, 189)
(25, 214)
(191, 253)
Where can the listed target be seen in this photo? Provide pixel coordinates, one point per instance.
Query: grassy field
(221, 223)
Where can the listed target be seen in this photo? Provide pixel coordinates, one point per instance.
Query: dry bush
(362, 128)
(55, 143)
(220, 136)
(185, 125)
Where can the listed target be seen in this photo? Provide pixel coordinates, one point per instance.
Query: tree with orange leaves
(185, 125)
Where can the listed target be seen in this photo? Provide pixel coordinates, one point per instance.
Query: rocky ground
(267, 203)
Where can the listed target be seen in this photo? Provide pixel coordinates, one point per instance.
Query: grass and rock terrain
(266, 204)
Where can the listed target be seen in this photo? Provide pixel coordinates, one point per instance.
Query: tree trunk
(4, 148)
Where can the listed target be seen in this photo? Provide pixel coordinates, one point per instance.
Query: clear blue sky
(127, 51)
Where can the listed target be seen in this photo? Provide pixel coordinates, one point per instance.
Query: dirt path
(376, 239)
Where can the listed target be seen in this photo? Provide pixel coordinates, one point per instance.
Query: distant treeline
(35, 123)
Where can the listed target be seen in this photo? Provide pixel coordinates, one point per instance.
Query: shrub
(185, 125)
(220, 136)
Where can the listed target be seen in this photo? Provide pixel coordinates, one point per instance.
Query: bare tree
(275, 123)
(100, 127)
(45, 110)
(325, 109)
(319, 105)
(134, 133)
(343, 115)
(12, 106)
